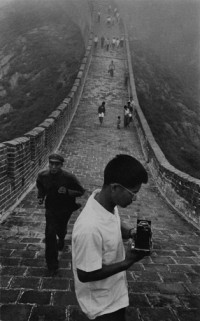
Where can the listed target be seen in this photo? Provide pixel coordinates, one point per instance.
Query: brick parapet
(18, 168)
(37, 145)
(180, 190)
(22, 158)
(4, 180)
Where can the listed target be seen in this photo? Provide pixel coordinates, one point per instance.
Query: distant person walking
(132, 103)
(107, 43)
(112, 21)
(113, 42)
(99, 16)
(126, 77)
(121, 42)
(108, 21)
(130, 108)
(96, 39)
(117, 17)
(111, 68)
(101, 112)
(117, 42)
(118, 122)
(58, 189)
(126, 116)
(102, 41)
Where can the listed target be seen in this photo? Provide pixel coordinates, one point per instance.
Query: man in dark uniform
(59, 189)
(101, 112)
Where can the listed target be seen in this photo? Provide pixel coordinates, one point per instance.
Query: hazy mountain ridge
(171, 28)
(165, 46)
(174, 123)
(40, 53)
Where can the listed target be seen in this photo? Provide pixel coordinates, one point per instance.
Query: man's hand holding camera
(133, 256)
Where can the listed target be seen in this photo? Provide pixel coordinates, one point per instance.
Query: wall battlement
(179, 189)
(22, 158)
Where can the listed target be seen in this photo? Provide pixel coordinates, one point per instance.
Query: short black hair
(125, 170)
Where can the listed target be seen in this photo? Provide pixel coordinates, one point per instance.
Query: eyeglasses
(133, 195)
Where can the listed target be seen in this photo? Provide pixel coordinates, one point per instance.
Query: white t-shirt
(97, 240)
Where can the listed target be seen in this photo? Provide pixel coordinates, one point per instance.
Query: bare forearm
(105, 272)
(109, 270)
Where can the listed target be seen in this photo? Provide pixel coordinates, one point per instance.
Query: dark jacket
(101, 109)
(54, 189)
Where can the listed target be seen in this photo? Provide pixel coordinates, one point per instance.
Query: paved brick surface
(164, 286)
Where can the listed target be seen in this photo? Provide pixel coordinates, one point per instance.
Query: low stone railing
(180, 190)
(22, 158)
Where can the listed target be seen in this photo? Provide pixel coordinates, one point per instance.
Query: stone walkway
(164, 286)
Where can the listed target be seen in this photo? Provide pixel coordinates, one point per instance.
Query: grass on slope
(170, 110)
(47, 50)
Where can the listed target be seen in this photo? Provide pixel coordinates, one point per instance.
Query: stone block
(143, 287)
(172, 288)
(25, 282)
(19, 157)
(186, 315)
(74, 313)
(32, 262)
(155, 314)
(138, 300)
(80, 75)
(49, 127)
(164, 300)
(48, 313)
(65, 298)
(132, 314)
(55, 284)
(37, 144)
(19, 312)
(82, 67)
(84, 60)
(9, 296)
(35, 297)
(55, 114)
(13, 270)
(77, 82)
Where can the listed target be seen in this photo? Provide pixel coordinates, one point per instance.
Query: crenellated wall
(180, 190)
(22, 158)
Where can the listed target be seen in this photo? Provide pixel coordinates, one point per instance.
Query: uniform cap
(56, 158)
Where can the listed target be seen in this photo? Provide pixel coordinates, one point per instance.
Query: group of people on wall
(99, 257)
(107, 42)
(112, 16)
(127, 114)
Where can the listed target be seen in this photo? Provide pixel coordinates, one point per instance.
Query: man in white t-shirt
(98, 255)
(96, 39)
